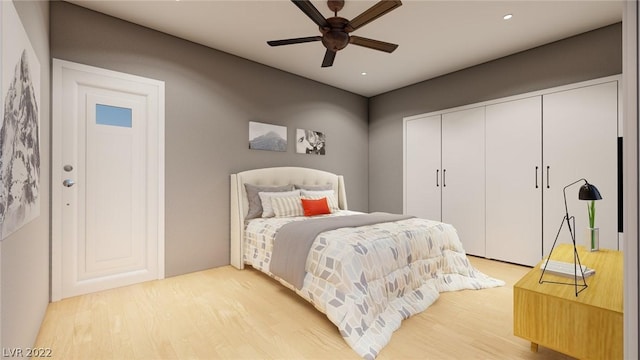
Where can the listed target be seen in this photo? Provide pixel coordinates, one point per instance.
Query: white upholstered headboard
(268, 177)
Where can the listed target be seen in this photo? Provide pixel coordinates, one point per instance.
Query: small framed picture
(310, 142)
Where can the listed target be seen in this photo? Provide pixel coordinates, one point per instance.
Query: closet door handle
(548, 167)
(536, 177)
(437, 177)
(444, 177)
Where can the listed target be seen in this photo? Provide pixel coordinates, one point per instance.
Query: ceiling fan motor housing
(336, 36)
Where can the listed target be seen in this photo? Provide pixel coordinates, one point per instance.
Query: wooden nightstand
(586, 327)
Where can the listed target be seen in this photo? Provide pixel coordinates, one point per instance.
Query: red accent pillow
(315, 207)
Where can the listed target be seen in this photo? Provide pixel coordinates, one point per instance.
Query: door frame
(56, 159)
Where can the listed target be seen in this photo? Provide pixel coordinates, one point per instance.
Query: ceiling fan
(335, 30)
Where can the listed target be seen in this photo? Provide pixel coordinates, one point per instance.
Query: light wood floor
(225, 313)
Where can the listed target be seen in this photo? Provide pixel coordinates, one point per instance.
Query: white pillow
(287, 206)
(329, 194)
(267, 197)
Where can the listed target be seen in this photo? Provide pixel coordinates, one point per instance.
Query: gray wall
(210, 98)
(24, 259)
(587, 56)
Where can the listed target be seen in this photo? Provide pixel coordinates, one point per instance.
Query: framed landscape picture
(267, 136)
(19, 125)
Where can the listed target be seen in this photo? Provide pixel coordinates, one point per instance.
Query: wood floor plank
(225, 313)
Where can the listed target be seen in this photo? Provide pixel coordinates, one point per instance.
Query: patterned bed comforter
(368, 279)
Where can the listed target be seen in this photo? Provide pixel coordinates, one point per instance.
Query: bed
(366, 276)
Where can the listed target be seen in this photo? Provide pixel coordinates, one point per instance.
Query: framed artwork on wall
(267, 136)
(310, 142)
(19, 125)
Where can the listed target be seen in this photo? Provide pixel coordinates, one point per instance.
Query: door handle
(536, 177)
(437, 177)
(68, 182)
(444, 177)
(548, 167)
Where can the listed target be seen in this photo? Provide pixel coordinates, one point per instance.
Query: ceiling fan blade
(373, 44)
(294, 41)
(328, 58)
(374, 12)
(307, 7)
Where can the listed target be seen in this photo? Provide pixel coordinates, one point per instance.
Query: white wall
(24, 259)
(1, 346)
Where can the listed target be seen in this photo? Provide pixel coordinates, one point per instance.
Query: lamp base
(579, 287)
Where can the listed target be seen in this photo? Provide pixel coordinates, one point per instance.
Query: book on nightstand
(565, 269)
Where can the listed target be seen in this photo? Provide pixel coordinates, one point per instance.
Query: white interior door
(514, 180)
(463, 172)
(108, 188)
(580, 132)
(422, 168)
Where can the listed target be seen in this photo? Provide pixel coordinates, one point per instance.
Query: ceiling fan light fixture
(335, 40)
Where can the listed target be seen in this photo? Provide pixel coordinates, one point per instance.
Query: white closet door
(514, 181)
(580, 141)
(422, 168)
(463, 171)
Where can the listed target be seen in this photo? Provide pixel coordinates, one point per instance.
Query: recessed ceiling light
(508, 16)
(364, 73)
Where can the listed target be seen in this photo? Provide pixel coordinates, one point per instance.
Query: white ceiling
(434, 37)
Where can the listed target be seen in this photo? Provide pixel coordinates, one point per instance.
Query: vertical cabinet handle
(444, 177)
(437, 177)
(536, 177)
(548, 167)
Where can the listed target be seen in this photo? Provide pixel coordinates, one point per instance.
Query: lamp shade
(589, 192)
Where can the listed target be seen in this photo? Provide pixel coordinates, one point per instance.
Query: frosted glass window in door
(113, 115)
